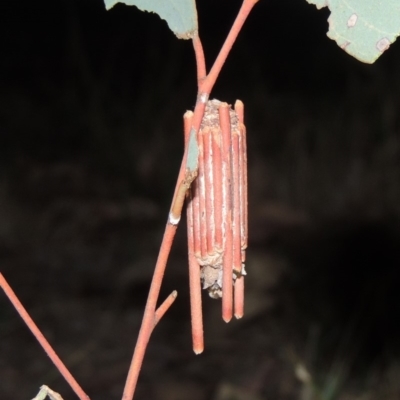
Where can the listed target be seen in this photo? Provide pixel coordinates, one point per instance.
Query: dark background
(91, 106)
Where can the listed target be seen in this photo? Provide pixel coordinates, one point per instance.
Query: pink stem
(194, 268)
(244, 11)
(227, 277)
(195, 304)
(148, 321)
(200, 60)
(209, 184)
(236, 206)
(217, 176)
(164, 307)
(239, 297)
(42, 340)
(201, 185)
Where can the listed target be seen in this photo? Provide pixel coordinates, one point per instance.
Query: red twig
(200, 60)
(209, 184)
(194, 270)
(239, 297)
(201, 183)
(149, 317)
(218, 202)
(239, 284)
(195, 305)
(164, 307)
(227, 277)
(42, 340)
(244, 11)
(239, 108)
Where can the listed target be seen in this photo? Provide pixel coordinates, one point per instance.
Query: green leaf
(181, 15)
(363, 28)
(193, 152)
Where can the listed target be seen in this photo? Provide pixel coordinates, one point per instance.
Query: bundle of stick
(217, 214)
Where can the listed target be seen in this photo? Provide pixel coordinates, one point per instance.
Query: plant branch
(151, 316)
(244, 11)
(164, 307)
(42, 340)
(208, 83)
(200, 60)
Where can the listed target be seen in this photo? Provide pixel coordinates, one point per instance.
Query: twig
(200, 60)
(204, 88)
(164, 307)
(227, 277)
(42, 340)
(149, 318)
(244, 11)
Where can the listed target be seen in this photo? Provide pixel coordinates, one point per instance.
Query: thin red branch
(195, 304)
(164, 307)
(236, 206)
(194, 268)
(148, 321)
(201, 184)
(194, 281)
(239, 283)
(217, 176)
(239, 297)
(196, 222)
(244, 11)
(200, 60)
(227, 276)
(209, 184)
(42, 340)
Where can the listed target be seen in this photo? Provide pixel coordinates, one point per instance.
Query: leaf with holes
(363, 28)
(181, 15)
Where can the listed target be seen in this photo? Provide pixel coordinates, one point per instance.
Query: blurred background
(90, 147)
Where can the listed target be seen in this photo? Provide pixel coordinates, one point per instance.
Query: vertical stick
(195, 204)
(194, 287)
(149, 313)
(227, 278)
(196, 220)
(218, 196)
(236, 206)
(201, 187)
(195, 304)
(239, 108)
(239, 284)
(193, 227)
(245, 192)
(239, 297)
(200, 60)
(209, 186)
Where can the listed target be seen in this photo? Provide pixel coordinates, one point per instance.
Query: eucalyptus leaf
(181, 15)
(363, 28)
